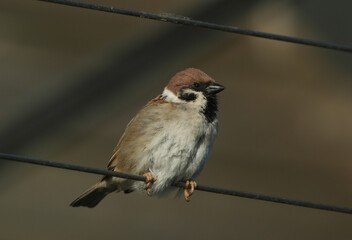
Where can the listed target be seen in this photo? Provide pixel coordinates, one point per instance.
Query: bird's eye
(196, 84)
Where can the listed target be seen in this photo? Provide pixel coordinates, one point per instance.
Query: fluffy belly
(175, 158)
(168, 162)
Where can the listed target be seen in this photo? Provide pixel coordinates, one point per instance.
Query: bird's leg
(149, 179)
(189, 189)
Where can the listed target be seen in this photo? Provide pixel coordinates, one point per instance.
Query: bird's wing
(125, 156)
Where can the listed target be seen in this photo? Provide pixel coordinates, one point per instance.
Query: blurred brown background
(71, 79)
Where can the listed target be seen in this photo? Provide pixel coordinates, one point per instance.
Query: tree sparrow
(168, 141)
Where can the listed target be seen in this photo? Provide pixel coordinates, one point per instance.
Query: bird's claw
(189, 189)
(149, 179)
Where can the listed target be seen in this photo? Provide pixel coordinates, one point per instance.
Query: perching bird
(169, 140)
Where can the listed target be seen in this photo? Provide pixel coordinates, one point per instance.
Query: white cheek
(199, 103)
(170, 96)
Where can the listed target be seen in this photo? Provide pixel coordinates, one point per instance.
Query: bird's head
(191, 85)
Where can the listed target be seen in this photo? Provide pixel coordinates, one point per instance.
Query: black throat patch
(211, 110)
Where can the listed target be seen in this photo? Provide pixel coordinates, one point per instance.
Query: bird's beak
(214, 88)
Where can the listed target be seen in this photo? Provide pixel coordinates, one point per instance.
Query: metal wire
(202, 24)
(179, 184)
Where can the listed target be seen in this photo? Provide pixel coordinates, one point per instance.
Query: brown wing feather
(131, 132)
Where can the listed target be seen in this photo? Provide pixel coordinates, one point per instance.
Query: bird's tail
(93, 195)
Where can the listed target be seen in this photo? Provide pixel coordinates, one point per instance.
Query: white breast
(179, 150)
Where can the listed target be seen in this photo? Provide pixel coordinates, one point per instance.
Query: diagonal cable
(179, 184)
(202, 24)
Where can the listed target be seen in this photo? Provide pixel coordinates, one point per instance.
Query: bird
(168, 141)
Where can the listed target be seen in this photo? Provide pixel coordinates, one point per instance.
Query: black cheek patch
(188, 96)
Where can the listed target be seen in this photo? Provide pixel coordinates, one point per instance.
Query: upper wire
(179, 184)
(202, 24)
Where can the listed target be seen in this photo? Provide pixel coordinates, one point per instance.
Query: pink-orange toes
(149, 179)
(189, 189)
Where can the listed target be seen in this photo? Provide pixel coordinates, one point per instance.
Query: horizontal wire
(202, 24)
(179, 184)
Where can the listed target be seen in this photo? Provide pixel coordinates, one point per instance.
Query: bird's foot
(189, 189)
(149, 179)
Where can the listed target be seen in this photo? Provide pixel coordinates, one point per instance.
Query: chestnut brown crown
(187, 78)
